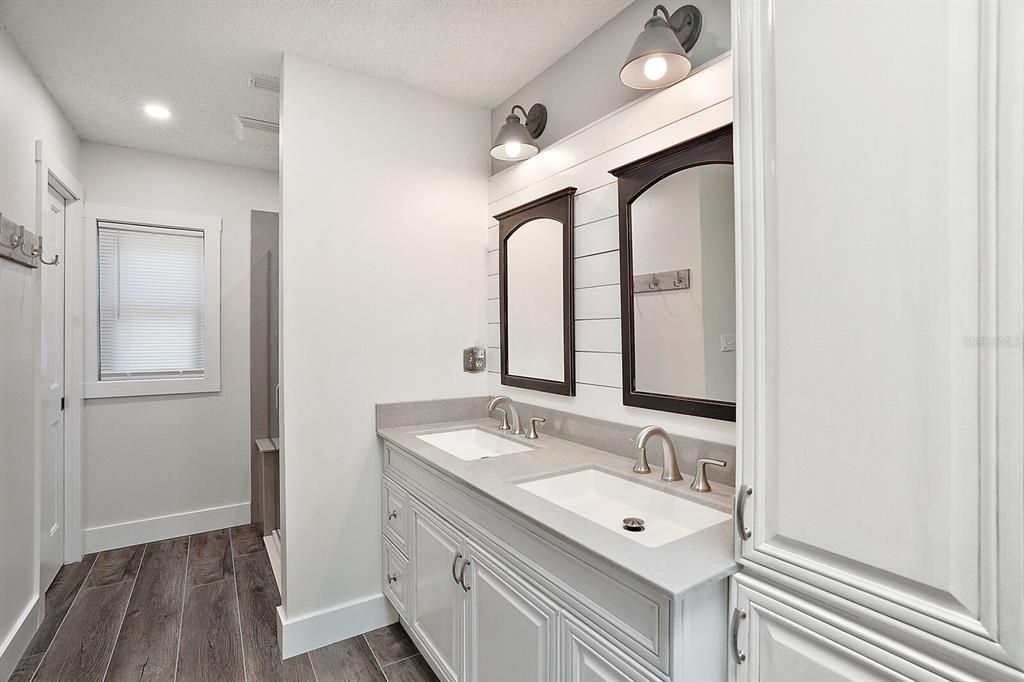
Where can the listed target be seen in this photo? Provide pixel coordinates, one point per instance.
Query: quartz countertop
(673, 568)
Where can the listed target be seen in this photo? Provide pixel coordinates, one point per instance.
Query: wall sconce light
(658, 57)
(515, 140)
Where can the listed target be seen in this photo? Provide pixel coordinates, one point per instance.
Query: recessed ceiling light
(157, 111)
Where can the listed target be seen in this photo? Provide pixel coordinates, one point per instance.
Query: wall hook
(36, 250)
(17, 237)
(56, 257)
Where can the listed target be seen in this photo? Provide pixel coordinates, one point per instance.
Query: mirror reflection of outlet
(728, 343)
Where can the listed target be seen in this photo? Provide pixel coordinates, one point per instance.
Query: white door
(511, 629)
(775, 642)
(52, 390)
(880, 183)
(437, 558)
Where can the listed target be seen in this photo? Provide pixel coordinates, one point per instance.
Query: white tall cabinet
(880, 165)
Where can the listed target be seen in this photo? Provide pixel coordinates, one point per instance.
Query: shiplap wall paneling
(699, 104)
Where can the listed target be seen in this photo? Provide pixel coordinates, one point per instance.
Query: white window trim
(211, 228)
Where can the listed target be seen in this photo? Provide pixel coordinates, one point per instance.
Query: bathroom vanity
(507, 559)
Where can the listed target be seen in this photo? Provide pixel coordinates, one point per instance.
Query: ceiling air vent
(256, 131)
(262, 81)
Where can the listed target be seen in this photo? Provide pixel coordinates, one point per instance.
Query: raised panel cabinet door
(882, 370)
(588, 657)
(511, 629)
(437, 554)
(776, 642)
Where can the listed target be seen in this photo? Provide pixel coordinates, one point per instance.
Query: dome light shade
(659, 55)
(515, 140)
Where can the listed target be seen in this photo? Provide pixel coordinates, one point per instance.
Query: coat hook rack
(655, 282)
(13, 237)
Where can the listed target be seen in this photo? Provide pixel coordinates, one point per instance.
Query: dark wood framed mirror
(535, 279)
(677, 268)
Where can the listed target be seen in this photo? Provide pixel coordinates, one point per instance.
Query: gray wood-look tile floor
(192, 608)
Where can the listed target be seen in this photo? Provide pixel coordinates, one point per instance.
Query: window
(157, 295)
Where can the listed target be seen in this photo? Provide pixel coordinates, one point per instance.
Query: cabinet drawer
(395, 511)
(589, 657)
(395, 580)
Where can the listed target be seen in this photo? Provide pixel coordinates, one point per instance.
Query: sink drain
(633, 524)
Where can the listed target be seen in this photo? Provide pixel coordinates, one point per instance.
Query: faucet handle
(700, 480)
(504, 425)
(641, 466)
(532, 433)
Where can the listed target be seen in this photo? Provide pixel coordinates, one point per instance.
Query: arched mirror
(678, 278)
(535, 278)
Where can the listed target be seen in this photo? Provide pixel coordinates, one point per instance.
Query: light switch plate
(474, 359)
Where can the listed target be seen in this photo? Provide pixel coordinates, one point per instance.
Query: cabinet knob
(392, 578)
(392, 515)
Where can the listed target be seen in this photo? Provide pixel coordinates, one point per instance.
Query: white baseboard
(273, 543)
(328, 626)
(164, 527)
(17, 640)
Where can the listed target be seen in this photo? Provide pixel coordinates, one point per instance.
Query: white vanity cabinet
(511, 628)
(782, 641)
(489, 600)
(436, 604)
(882, 260)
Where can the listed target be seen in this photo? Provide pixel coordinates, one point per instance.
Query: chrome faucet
(517, 426)
(670, 468)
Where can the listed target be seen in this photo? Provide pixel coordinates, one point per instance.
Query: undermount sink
(471, 444)
(609, 500)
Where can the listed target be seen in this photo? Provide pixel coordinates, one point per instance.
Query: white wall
(382, 260)
(584, 85)
(155, 456)
(695, 106)
(27, 113)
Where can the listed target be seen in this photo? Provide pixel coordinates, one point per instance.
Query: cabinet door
(511, 628)
(437, 554)
(881, 296)
(588, 657)
(775, 642)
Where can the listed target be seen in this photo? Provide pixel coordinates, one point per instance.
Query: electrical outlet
(474, 359)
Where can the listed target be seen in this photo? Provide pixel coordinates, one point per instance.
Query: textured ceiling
(103, 59)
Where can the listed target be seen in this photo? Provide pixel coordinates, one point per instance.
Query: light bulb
(157, 111)
(513, 149)
(655, 68)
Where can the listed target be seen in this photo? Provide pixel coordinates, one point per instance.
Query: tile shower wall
(701, 103)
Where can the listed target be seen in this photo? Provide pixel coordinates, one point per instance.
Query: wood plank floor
(192, 608)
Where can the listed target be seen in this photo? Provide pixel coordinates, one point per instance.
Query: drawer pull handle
(392, 515)
(392, 578)
(462, 575)
(455, 561)
(741, 503)
(737, 655)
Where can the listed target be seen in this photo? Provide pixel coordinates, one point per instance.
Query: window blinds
(151, 316)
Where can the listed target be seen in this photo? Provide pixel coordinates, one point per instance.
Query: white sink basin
(607, 500)
(470, 444)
